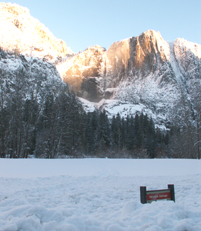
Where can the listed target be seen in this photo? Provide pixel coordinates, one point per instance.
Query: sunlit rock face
(96, 73)
(83, 73)
(21, 32)
(136, 56)
(116, 63)
(162, 78)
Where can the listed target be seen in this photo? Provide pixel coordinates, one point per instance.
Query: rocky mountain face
(138, 74)
(143, 73)
(137, 56)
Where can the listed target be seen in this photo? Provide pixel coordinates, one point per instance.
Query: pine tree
(151, 139)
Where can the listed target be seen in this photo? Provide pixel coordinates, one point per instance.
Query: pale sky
(83, 23)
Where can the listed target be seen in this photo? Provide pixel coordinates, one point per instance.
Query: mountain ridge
(144, 73)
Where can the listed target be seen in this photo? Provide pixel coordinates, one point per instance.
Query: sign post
(172, 193)
(154, 195)
(143, 194)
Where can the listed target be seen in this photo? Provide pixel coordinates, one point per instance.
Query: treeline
(43, 118)
(131, 137)
(57, 127)
(60, 128)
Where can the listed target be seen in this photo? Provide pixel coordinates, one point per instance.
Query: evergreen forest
(40, 117)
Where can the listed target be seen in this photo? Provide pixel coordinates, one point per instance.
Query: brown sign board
(154, 195)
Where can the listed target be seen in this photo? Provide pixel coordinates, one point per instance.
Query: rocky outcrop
(83, 73)
(22, 33)
(96, 73)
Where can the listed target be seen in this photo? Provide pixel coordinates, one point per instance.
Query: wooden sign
(154, 195)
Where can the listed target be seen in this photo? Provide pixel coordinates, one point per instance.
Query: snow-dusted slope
(21, 32)
(28, 51)
(27, 77)
(35, 69)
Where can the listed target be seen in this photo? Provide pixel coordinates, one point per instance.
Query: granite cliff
(143, 73)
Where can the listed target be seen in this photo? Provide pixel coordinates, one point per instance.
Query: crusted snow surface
(87, 105)
(124, 109)
(113, 107)
(98, 195)
(144, 95)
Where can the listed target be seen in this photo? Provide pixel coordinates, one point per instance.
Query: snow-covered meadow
(98, 195)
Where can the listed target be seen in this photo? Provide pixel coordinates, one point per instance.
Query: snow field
(98, 195)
